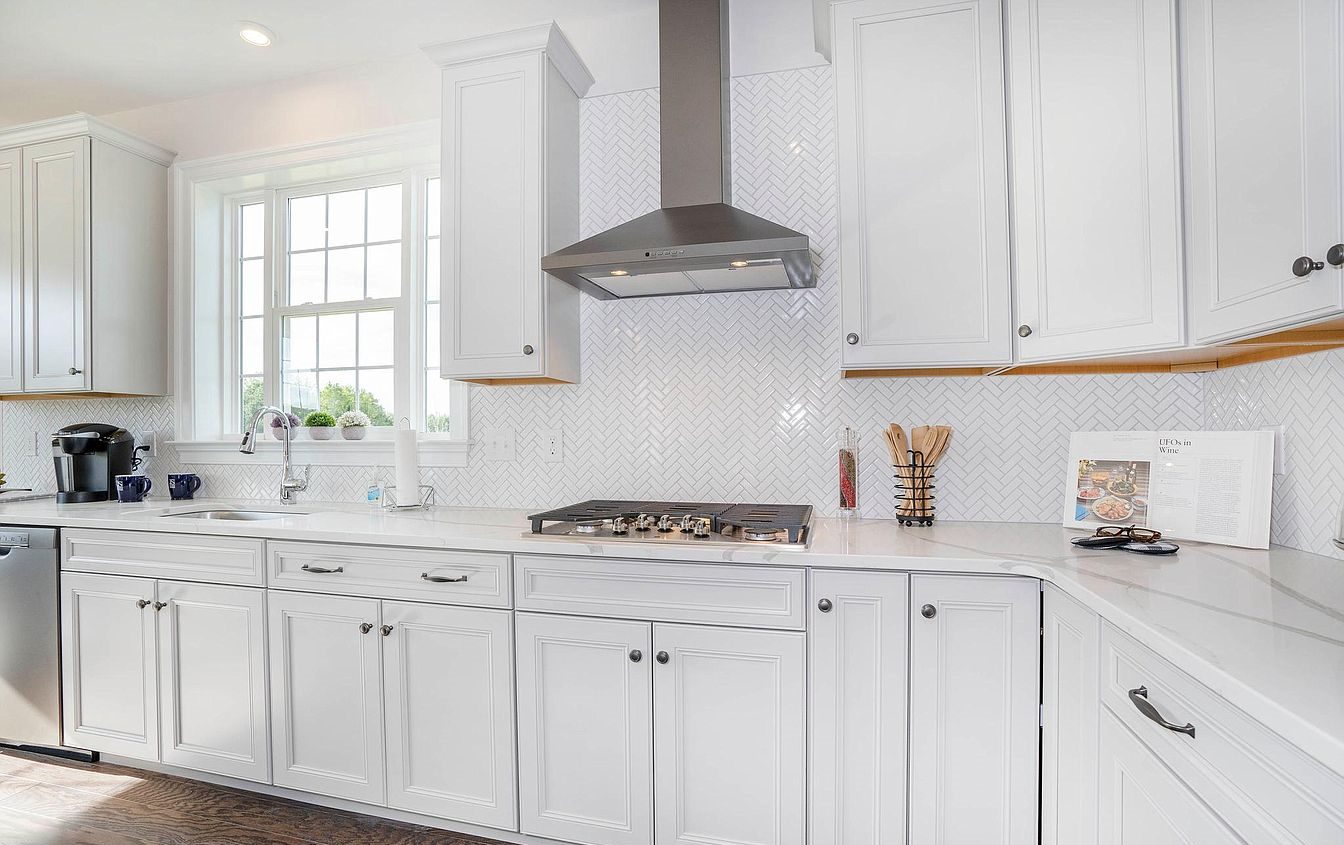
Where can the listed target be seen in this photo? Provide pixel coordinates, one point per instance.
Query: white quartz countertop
(1264, 629)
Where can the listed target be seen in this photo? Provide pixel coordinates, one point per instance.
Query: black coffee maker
(88, 458)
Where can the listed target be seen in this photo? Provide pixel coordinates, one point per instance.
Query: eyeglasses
(1129, 538)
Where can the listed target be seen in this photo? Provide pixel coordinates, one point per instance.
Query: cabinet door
(326, 703)
(212, 670)
(1143, 803)
(1263, 127)
(1096, 176)
(448, 686)
(924, 264)
(728, 736)
(11, 271)
(584, 721)
(56, 264)
(974, 713)
(109, 674)
(859, 647)
(1070, 712)
(492, 217)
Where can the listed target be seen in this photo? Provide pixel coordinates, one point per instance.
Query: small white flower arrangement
(353, 424)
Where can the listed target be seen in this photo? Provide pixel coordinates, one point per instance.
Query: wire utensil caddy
(914, 490)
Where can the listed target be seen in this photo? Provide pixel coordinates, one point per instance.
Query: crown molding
(79, 124)
(546, 38)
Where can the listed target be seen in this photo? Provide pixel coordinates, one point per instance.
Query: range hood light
(737, 264)
(620, 272)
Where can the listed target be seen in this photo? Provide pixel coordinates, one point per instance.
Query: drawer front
(178, 557)
(1263, 786)
(473, 578)
(758, 597)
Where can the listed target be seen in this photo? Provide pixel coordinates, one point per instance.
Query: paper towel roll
(407, 467)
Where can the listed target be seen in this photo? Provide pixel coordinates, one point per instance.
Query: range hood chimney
(697, 242)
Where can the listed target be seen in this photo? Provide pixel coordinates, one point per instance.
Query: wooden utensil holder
(914, 491)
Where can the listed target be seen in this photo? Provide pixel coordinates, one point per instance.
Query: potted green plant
(320, 424)
(354, 425)
(278, 427)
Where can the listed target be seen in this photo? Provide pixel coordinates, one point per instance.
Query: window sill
(345, 453)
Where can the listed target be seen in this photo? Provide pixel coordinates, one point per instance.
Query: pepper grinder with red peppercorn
(848, 468)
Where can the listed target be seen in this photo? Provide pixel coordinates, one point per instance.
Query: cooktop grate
(792, 519)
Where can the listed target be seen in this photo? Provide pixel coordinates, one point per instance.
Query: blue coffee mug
(183, 485)
(133, 488)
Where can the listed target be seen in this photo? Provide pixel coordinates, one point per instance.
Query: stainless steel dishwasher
(30, 632)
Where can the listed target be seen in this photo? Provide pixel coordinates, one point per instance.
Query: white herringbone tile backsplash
(739, 396)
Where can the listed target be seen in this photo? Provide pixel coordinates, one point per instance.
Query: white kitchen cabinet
(212, 679)
(1143, 803)
(585, 755)
(1263, 103)
(859, 645)
(108, 669)
(728, 736)
(924, 262)
(11, 271)
(510, 195)
(974, 693)
(326, 701)
(448, 688)
(1070, 716)
(1096, 181)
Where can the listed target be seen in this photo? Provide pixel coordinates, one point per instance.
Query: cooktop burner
(678, 522)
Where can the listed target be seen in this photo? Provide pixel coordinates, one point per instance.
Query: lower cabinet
(166, 671)
(1070, 713)
(631, 733)
(437, 677)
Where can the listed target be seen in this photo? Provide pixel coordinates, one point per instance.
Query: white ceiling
(101, 57)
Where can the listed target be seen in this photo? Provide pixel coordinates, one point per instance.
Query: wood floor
(46, 801)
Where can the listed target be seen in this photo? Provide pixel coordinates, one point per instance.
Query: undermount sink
(241, 516)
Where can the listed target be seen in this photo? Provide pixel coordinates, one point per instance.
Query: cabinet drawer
(217, 560)
(475, 578)
(1263, 786)
(761, 597)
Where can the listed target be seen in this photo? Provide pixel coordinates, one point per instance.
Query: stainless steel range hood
(697, 242)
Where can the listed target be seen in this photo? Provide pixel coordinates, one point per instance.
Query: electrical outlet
(552, 445)
(34, 444)
(150, 439)
(499, 443)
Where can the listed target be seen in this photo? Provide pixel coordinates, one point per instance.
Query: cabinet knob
(825, 605)
(1304, 266)
(662, 657)
(1024, 330)
(636, 655)
(143, 603)
(160, 605)
(528, 350)
(74, 371)
(851, 338)
(385, 630)
(1335, 255)
(928, 611)
(365, 627)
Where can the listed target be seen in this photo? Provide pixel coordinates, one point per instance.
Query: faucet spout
(290, 486)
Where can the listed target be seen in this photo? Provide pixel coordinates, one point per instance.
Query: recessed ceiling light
(620, 272)
(255, 34)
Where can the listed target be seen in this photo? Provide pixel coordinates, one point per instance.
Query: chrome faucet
(289, 485)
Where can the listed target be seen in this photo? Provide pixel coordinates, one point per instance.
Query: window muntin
(250, 272)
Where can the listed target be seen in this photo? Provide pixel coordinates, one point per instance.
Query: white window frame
(215, 189)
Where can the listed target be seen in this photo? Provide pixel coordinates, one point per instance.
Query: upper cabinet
(1264, 195)
(510, 181)
(1096, 176)
(84, 261)
(923, 184)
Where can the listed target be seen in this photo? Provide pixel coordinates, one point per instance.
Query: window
(436, 389)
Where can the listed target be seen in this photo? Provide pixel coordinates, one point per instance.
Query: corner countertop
(1264, 629)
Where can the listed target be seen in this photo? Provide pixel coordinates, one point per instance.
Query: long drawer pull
(317, 570)
(1140, 698)
(441, 579)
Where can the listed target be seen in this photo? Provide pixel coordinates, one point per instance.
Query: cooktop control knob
(643, 522)
(686, 524)
(700, 527)
(665, 523)
(620, 526)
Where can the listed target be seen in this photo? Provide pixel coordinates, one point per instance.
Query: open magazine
(1212, 486)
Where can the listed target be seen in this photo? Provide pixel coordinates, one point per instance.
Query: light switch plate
(551, 444)
(499, 443)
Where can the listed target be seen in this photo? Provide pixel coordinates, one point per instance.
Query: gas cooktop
(621, 520)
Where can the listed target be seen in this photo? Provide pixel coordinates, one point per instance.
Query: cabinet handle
(365, 627)
(1335, 255)
(1140, 698)
(442, 579)
(662, 657)
(636, 655)
(74, 371)
(1024, 330)
(386, 630)
(528, 350)
(851, 338)
(825, 605)
(1304, 265)
(143, 603)
(317, 570)
(160, 605)
(928, 611)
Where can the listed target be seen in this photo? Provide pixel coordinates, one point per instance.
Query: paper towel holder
(426, 499)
